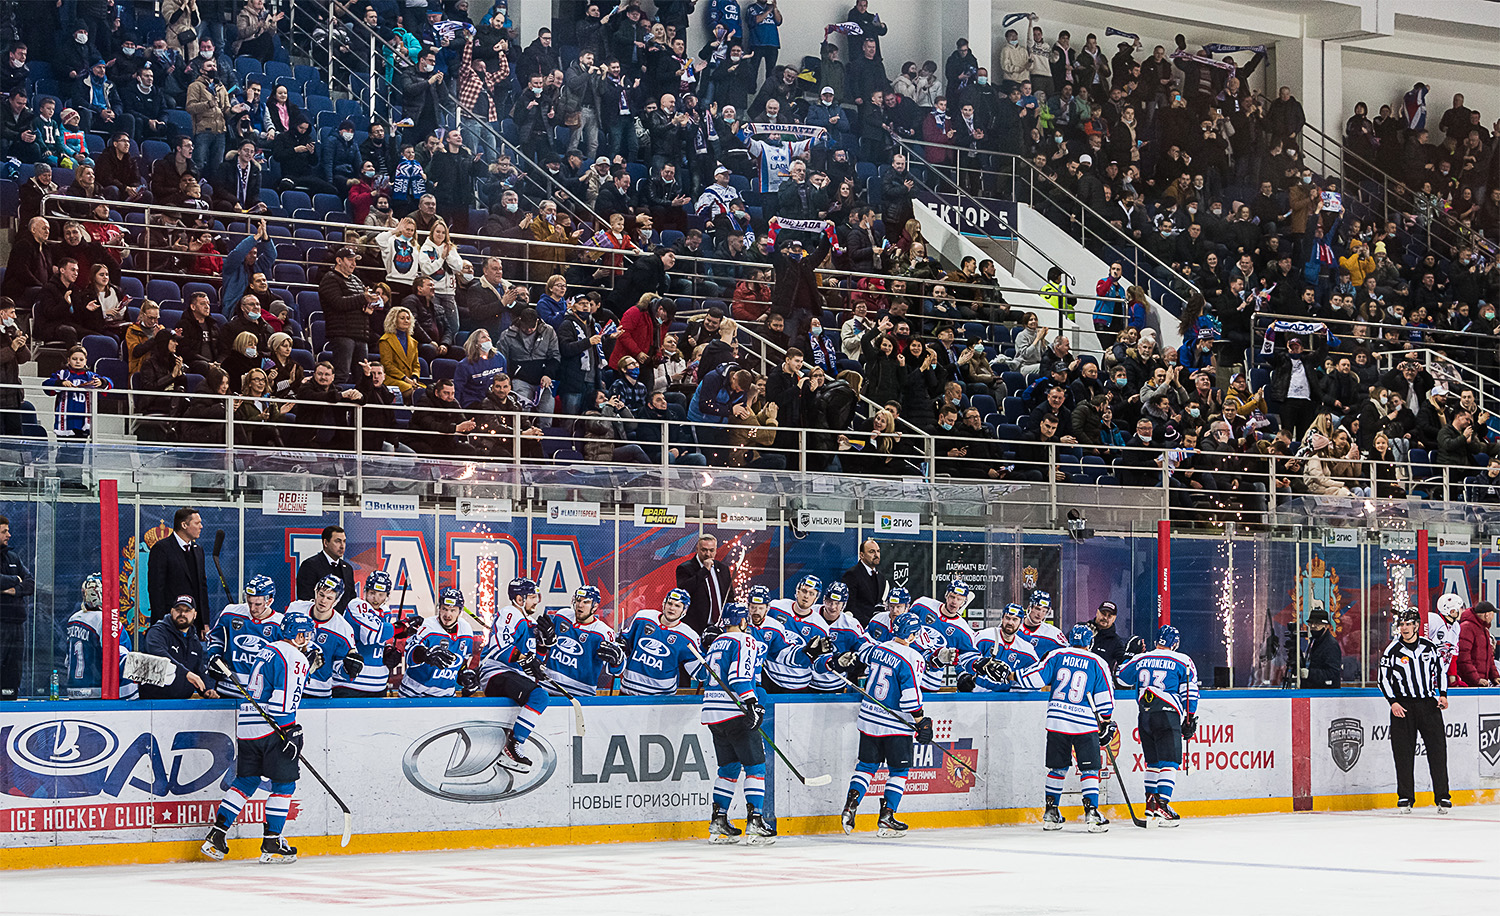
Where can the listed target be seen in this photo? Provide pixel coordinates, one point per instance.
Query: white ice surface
(1346, 863)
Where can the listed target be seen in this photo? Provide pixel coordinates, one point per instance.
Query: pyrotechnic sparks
(1226, 601)
(738, 551)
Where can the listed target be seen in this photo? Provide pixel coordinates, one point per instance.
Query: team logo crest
(1489, 738)
(1346, 738)
(1028, 577)
(1318, 588)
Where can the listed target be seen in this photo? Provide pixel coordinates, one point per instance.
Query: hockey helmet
(837, 591)
(93, 591)
(1168, 638)
(588, 593)
(681, 596)
(331, 583)
(296, 623)
(759, 594)
(1013, 610)
(261, 586)
(960, 588)
(450, 598)
(1081, 636)
(1410, 615)
(906, 626)
(378, 581)
(898, 596)
(812, 582)
(1041, 599)
(520, 588)
(734, 614)
(1450, 605)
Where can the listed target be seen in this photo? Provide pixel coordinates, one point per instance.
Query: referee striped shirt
(1412, 671)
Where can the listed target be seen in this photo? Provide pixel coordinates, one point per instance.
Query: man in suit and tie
(329, 560)
(866, 584)
(175, 567)
(708, 581)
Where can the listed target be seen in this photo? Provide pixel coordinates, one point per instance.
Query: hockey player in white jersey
(333, 651)
(86, 646)
(897, 602)
(512, 667)
(949, 637)
(438, 654)
(733, 717)
(1003, 644)
(1079, 722)
(787, 658)
(1166, 685)
(243, 629)
(370, 620)
(1043, 636)
(1442, 631)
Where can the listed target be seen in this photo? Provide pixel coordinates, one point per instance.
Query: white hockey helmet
(1450, 605)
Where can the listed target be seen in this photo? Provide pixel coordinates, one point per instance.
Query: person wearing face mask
(249, 320)
(340, 157)
(208, 103)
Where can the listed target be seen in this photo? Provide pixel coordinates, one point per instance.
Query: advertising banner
(1351, 745)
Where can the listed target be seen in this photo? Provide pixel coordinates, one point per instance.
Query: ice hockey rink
(1343, 862)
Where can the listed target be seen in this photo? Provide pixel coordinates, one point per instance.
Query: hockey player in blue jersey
(897, 602)
(370, 621)
(1079, 722)
(243, 629)
(585, 650)
(1043, 636)
(276, 682)
(511, 666)
(333, 653)
(787, 666)
(950, 638)
(438, 654)
(661, 651)
(735, 656)
(847, 636)
(1166, 685)
(85, 664)
(1003, 644)
(926, 640)
(886, 727)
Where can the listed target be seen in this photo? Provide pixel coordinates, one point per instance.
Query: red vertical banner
(1424, 590)
(1164, 572)
(109, 568)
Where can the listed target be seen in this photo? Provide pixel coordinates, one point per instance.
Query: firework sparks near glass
(1226, 604)
(738, 552)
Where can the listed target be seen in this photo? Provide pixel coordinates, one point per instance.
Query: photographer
(1320, 665)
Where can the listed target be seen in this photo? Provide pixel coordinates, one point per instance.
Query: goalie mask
(93, 592)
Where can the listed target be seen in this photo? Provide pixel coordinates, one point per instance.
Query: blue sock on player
(1090, 782)
(755, 786)
(530, 713)
(895, 788)
(859, 783)
(1166, 781)
(278, 806)
(1055, 785)
(729, 776)
(235, 799)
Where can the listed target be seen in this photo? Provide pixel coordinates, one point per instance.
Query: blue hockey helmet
(1013, 610)
(960, 588)
(837, 591)
(378, 581)
(734, 614)
(261, 587)
(1168, 638)
(811, 581)
(906, 626)
(898, 596)
(520, 588)
(296, 623)
(93, 591)
(450, 598)
(759, 594)
(1041, 599)
(588, 593)
(679, 595)
(330, 583)
(1081, 636)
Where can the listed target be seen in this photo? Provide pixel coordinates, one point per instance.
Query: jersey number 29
(1071, 686)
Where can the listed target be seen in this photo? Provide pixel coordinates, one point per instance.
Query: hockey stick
(281, 733)
(550, 684)
(219, 546)
(866, 694)
(1115, 765)
(822, 780)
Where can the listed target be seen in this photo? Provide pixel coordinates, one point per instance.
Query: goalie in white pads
(86, 646)
(735, 656)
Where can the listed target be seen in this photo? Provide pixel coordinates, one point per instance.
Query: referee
(1412, 679)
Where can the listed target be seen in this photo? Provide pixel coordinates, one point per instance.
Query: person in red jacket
(1476, 647)
(643, 329)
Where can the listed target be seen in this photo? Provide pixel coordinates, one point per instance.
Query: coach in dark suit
(330, 560)
(866, 583)
(708, 581)
(175, 567)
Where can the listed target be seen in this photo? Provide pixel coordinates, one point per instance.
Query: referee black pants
(1425, 718)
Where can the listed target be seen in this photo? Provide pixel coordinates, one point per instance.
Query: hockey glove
(966, 683)
(611, 654)
(946, 656)
(353, 665)
(924, 730)
(532, 665)
(220, 669)
(818, 645)
(1107, 732)
(995, 670)
(314, 655)
(546, 633)
(1190, 727)
(710, 633)
(468, 679)
(437, 656)
(1134, 647)
(754, 713)
(291, 741)
(390, 656)
(406, 627)
(846, 662)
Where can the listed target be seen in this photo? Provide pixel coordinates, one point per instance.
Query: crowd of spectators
(635, 180)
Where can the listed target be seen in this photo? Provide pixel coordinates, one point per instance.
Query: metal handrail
(1470, 342)
(1440, 367)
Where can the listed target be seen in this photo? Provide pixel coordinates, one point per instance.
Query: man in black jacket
(867, 585)
(1107, 643)
(346, 305)
(329, 561)
(175, 565)
(175, 637)
(16, 585)
(1321, 662)
(450, 176)
(709, 582)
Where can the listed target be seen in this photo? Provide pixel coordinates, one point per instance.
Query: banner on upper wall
(996, 218)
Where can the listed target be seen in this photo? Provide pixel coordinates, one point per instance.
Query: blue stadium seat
(1014, 408)
(319, 103)
(349, 108)
(115, 369)
(244, 65)
(319, 337)
(131, 286)
(307, 304)
(180, 120)
(671, 237)
(275, 70)
(101, 346)
(328, 204)
(289, 273)
(444, 368)
(170, 318)
(157, 290)
(983, 403)
(305, 72)
(295, 200)
(1014, 382)
(1259, 378)
(305, 359)
(188, 289)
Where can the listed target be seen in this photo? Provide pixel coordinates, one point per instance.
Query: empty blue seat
(101, 346)
(295, 200)
(157, 290)
(1014, 407)
(328, 204)
(244, 65)
(275, 70)
(181, 121)
(170, 318)
(131, 286)
(444, 368)
(289, 273)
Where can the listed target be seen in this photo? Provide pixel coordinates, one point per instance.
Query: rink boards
(86, 782)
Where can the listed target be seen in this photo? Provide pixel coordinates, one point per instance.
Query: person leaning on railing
(323, 418)
(257, 412)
